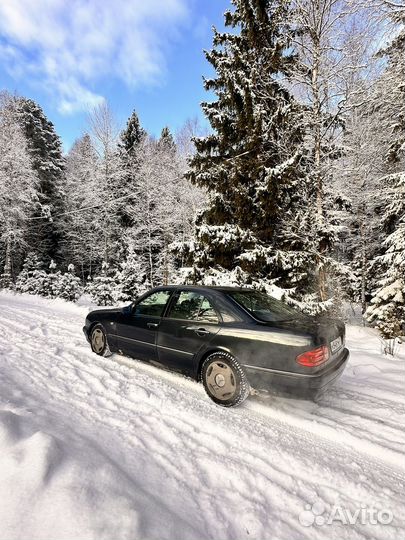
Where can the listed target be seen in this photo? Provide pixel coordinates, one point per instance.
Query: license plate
(336, 344)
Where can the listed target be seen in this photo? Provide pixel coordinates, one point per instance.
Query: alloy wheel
(97, 340)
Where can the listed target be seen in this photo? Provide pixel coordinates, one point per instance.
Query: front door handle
(152, 324)
(201, 332)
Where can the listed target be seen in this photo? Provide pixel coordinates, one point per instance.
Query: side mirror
(127, 310)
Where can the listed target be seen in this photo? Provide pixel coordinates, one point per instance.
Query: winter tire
(224, 379)
(98, 341)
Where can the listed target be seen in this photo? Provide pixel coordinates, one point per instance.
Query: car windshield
(264, 307)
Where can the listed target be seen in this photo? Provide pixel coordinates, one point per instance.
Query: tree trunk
(363, 267)
(165, 263)
(5, 279)
(317, 120)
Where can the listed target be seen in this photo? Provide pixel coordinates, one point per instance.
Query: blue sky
(69, 55)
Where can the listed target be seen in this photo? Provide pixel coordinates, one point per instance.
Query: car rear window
(265, 307)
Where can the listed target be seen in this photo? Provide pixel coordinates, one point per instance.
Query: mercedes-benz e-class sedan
(231, 339)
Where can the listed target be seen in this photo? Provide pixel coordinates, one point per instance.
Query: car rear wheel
(224, 379)
(98, 341)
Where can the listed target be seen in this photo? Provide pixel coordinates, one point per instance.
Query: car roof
(225, 289)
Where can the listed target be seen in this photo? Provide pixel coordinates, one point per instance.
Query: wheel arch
(207, 353)
(92, 325)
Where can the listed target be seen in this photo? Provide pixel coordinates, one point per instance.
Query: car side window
(194, 307)
(153, 305)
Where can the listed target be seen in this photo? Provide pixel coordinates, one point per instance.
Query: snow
(102, 448)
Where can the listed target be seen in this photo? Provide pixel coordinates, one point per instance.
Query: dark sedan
(232, 339)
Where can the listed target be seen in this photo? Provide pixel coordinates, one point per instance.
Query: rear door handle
(201, 331)
(152, 324)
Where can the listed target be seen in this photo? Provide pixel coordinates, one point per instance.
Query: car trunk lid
(326, 331)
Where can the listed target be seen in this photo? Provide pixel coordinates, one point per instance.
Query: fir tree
(44, 234)
(132, 135)
(53, 283)
(71, 287)
(130, 278)
(32, 279)
(166, 141)
(102, 288)
(394, 78)
(253, 164)
(129, 145)
(387, 309)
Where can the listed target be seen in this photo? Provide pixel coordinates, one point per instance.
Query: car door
(137, 328)
(190, 324)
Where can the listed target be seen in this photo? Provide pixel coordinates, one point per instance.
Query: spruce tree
(103, 287)
(44, 235)
(387, 309)
(32, 279)
(53, 282)
(131, 278)
(71, 287)
(166, 141)
(132, 135)
(129, 145)
(253, 164)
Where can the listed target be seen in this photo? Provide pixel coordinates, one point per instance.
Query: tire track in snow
(264, 460)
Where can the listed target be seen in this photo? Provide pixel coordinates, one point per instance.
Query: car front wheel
(224, 379)
(98, 341)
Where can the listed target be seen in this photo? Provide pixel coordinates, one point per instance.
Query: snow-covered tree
(193, 198)
(132, 135)
(157, 212)
(387, 307)
(32, 279)
(53, 283)
(102, 288)
(44, 145)
(83, 222)
(105, 133)
(131, 278)
(327, 58)
(18, 187)
(253, 164)
(130, 144)
(166, 141)
(70, 287)
(353, 192)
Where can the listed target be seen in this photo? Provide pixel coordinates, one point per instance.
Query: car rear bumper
(303, 385)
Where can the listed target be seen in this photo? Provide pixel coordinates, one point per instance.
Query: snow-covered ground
(109, 448)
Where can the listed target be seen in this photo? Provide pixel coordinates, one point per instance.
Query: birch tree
(105, 135)
(18, 184)
(323, 84)
(83, 221)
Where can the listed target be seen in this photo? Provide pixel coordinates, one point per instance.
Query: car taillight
(314, 358)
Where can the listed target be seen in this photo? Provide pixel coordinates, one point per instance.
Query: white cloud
(69, 46)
